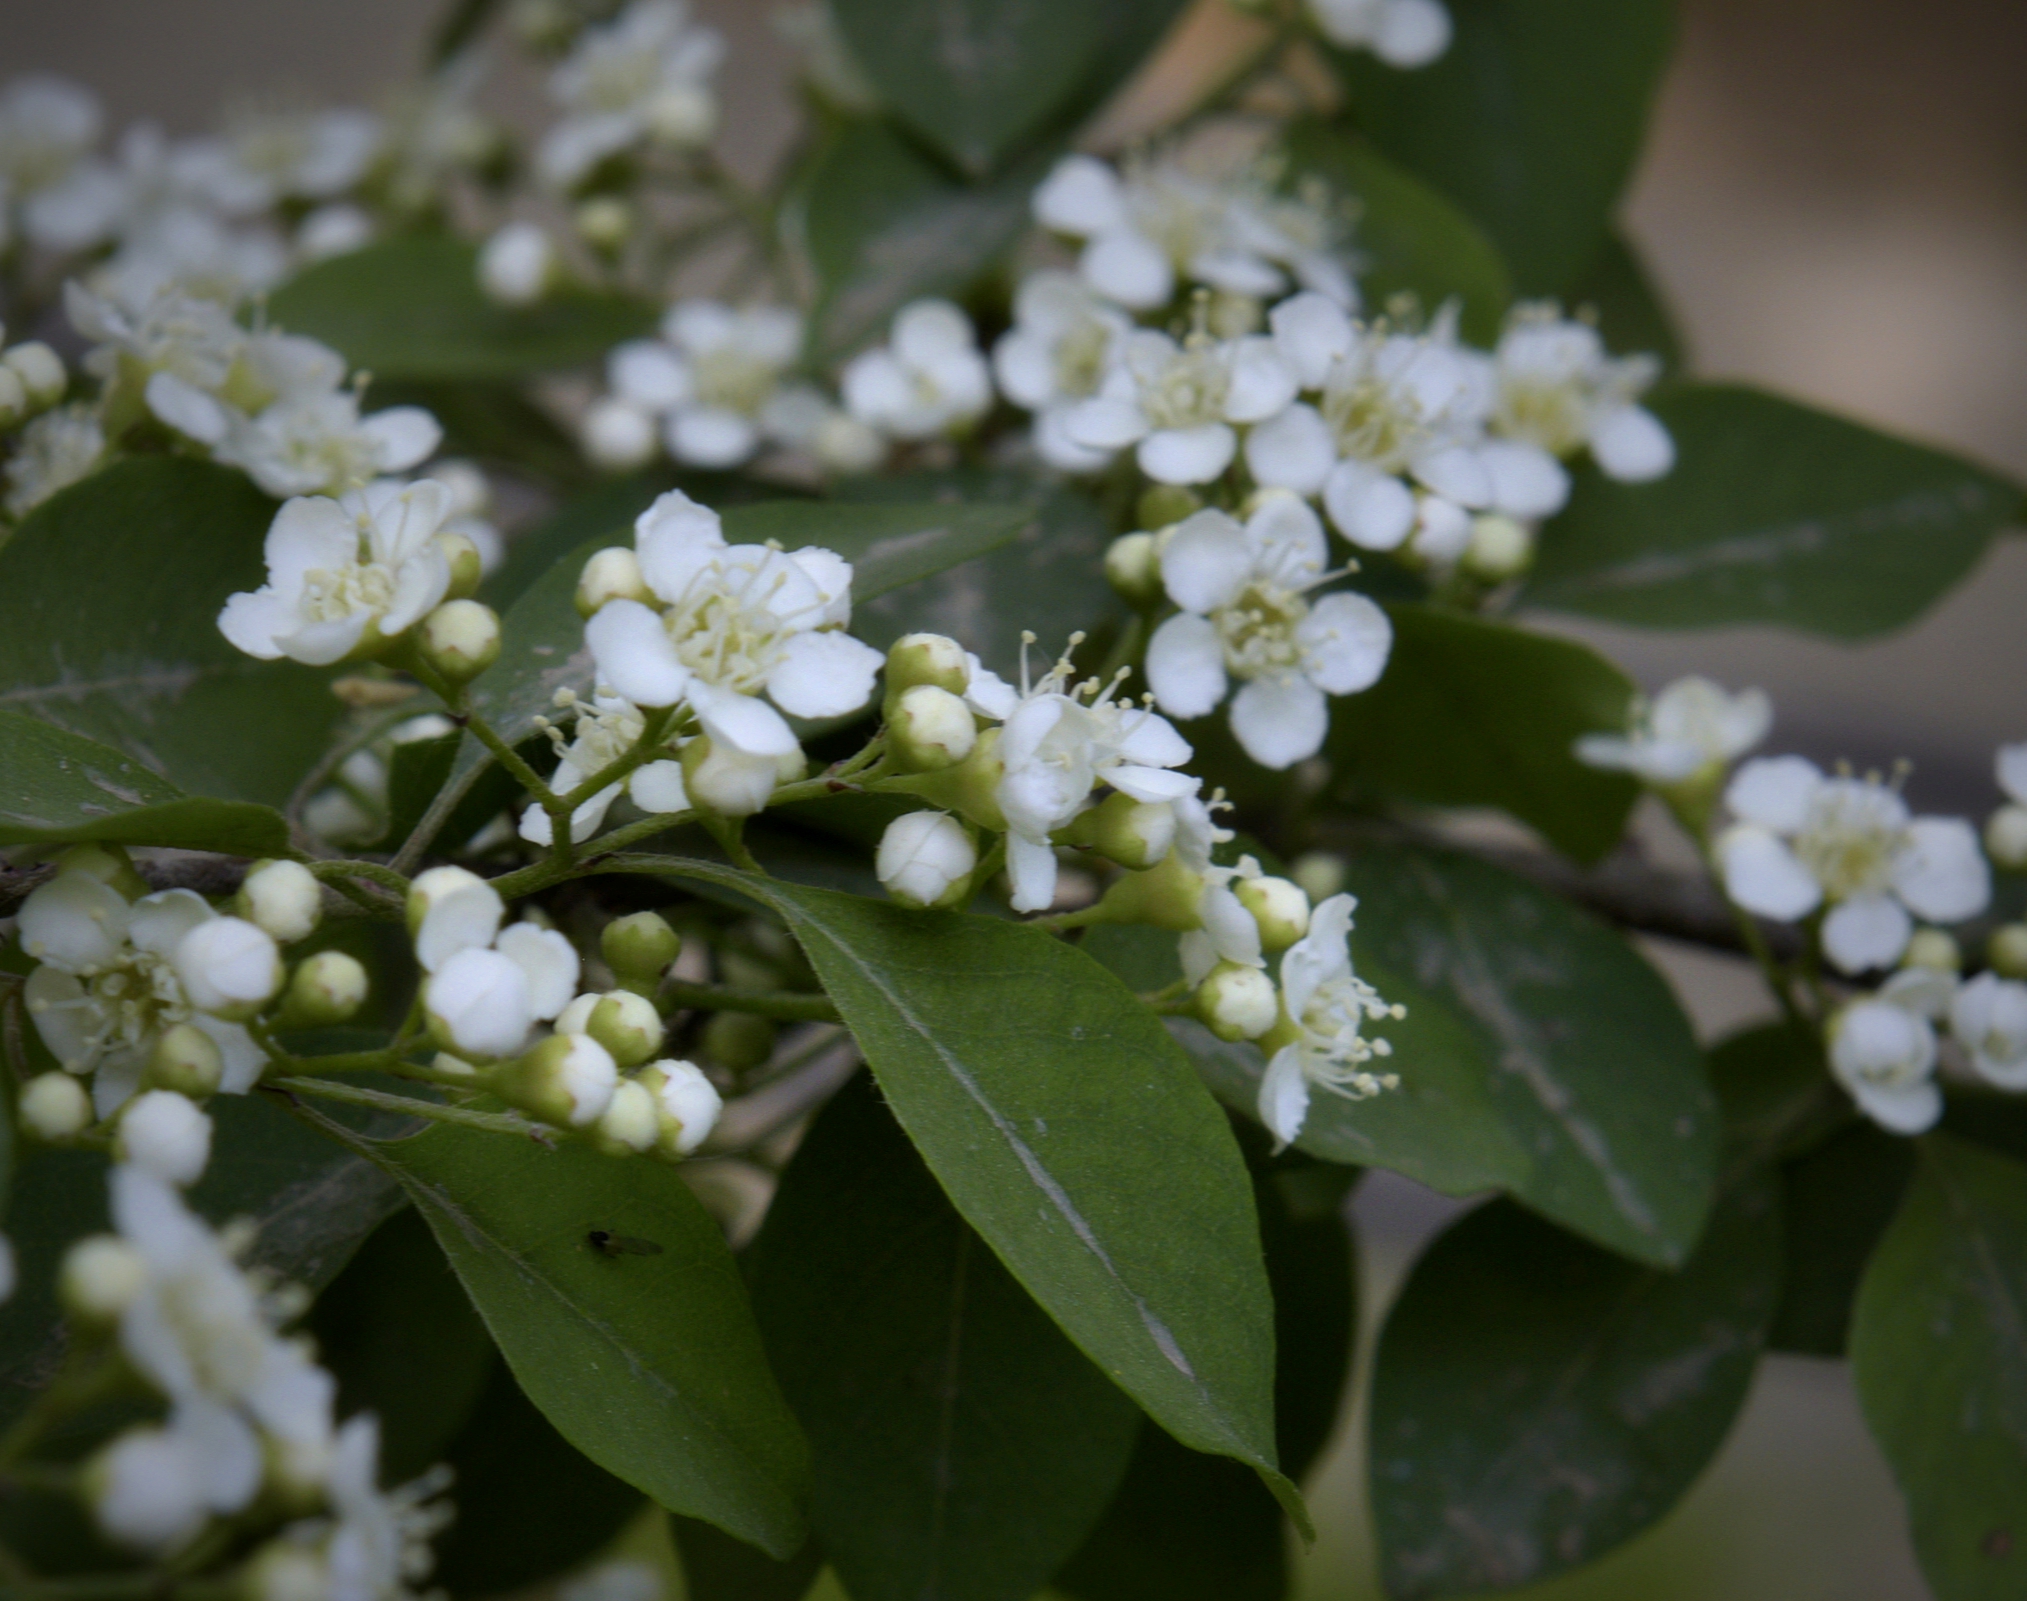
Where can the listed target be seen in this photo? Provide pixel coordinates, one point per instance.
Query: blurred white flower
(929, 379)
(1402, 33)
(1063, 343)
(263, 158)
(54, 451)
(47, 125)
(1692, 727)
(645, 76)
(712, 377)
(605, 730)
(1989, 1018)
(1557, 388)
(1884, 1053)
(1178, 402)
(1325, 1007)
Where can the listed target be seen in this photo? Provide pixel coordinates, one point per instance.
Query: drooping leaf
(1540, 1055)
(63, 788)
(960, 1445)
(1939, 1353)
(1407, 237)
(1537, 1401)
(648, 1364)
(410, 308)
(109, 599)
(1632, 313)
(1475, 713)
(1070, 1133)
(1531, 120)
(1774, 513)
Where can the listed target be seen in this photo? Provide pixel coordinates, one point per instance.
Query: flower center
(724, 630)
(618, 80)
(225, 1346)
(1189, 391)
(1375, 421)
(1080, 359)
(332, 594)
(1334, 1052)
(1850, 840)
(1551, 415)
(732, 379)
(1258, 630)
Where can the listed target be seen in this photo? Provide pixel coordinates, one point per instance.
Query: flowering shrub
(828, 959)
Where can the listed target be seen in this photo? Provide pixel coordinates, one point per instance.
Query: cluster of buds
(32, 380)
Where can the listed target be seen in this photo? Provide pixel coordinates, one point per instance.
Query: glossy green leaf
(1774, 513)
(1632, 313)
(649, 1365)
(63, 788)
(960, 1445)
(1939, 1353)
(410, 308)
(1070, 1133)
(1840, 1199)
(109, 599)
(1408, 239)
(1531, 120)
(1540, 1055)
(1474, 713)
(1537, 1401)
(603, 512)
(883, 225)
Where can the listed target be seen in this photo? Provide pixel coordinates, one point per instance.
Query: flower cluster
(1885, 1047)
(642, 80)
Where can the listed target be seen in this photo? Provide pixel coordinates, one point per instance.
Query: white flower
(1246, 614)
(1557, 388)
(1691, 727)
(1803, 839)
(148, 1489)
(47, 124)
(345, 576)
(1989, 1016)
(735, 622)
(1884, 1054)
(165, 1136)
(517, 264)
(106, 986)
(451, 909)
(376, 1546)
(1178, 402)
(1402, 33)
(56, 450)
(925, 859)
(713, 376)
(186, 336)
(1325, 1005)
(1063, 343)
(319, 444)
(484, 1002)
(1160, 224)
(646, 75)
(604, 731)
(264, 158)
(927, 380)
(1056, 747)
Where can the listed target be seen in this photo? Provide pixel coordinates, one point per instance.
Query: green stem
(730, 833)
(331, 872)
(407, 1106)
(330, 761)
(786, 1005)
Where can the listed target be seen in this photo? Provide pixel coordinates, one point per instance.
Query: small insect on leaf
(606, 1243)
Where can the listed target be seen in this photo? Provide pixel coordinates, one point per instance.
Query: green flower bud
(467, 567)
(100, 1276)
(1168, 895)
(1500, 548)
(971, 788)
(638, 948)
(929, 659)
(1135, 834)
(2006, 837)
(738, 1040)
(1164, 505)
(631, 1121)
(40, 371)
(567, 1080)
(55, 1107)
(281, 898)
(1320, 874)
(1133, 569)
(186, 1060)
(326, 988)
(1278, 906)
(929, 729)
(611, 574)
(627, 1025)
(2006, 950)
(1237, 1002)
(461, 639)
(1933, 948)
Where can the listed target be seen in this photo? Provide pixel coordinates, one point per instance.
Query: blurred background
(1834, 201)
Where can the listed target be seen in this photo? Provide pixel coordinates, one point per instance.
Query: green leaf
(717, 1567)
(1537, 1401)
(397, 1332)
(1069, 1132)
(1540, 1055)
(1473, 713)
(496, 423)
(1939, 1353)
(1407, 238)
(649, 1365)
(1840, 1199)
(883, 225)
(109, 599)
(1632, 313)
(416, 771)
(1774, 513)
(63, 788)
(605, 512)
(960, 1445)
(1189, 1527)
(1531, 121)
(410, 308)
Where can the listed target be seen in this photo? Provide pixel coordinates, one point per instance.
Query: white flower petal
(1764, 876)
(402, 436)
(649, 374)
(711, 436)
(1909, 1111)
(1105, 423)
(1280, 722)
(1941, 872)
(1153, 785)
(744, 723)
(1345, 639)
(1031, 867)
(74, 923)
(824, 675)
(1866, 932)
(635, 654)
(1080, 196)
(1284, 1095)
(1263, 384)
(162, 921)
(547, 960)
(187, 409)
(1411, 33)
(1372, 509)
(1129, 268)
(1187, 455)
(1206, 560)
(1292, 451)
(1456, 473)
(657, 787)
(1527, 482)
(673, 538)
(1774, 792)
(1632, 445)
(1312, 332)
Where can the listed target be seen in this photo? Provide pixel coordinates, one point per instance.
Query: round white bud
(844, 444)
(40, 370)
(1133, 569)
(638, 948)
(926, 859)
(479, 1004)
(2006, 950)
(1237, 1002)
(147, 1489)
(618, 435)
(187, 1060)
(326, 988)
(567, 1080)
(1933, 948)
(165, 1135)
(631, 1120)
(99, 1279)
(1884, 1055)
(682, 117)
(283, 898)
(461, 639)
(55, 1107)
(2006, 837)
(626, 1024)
(451, 909)
(604, 222)
(611, 574)
(517, 265)
(1500, 548)
(1279, 906)
(1320, 874)
(930, 659)
(930, 729)
(727, 781)
(285, 1571)
(229, 967)
(688, 1104)
(467, 562)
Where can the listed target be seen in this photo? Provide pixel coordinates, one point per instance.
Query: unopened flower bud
(1320, 874)
(40, 371)
(611, 574)
(687, 1105)
(682, 116)
(109, 864)
(147, 1489)
(1500, 548)
(1133, 569)
(1237, 1003)
(638, 948)
(727, 781)
(740, 1041)
(55, 1107)
(2006, 837)
(604, 222)
(1135, 834)
(461, 639)
(630, 1121)
(1933, 948)
(186, 1060)
(2006, 950)
(283, 898)
(517, 265)
(99, 1279)
(13, 397)
(479, 1004)
(627, 1025)
(467, 563)
(164, 1134)
(926, 859)
(567, 1080)
(930, 729)
(971, 788)
(1163, 505)
(844, 444)
(618, 435)
(451, 909)
(326, 988)
(932, 659)
(282, 1570)
(1280, 907)
(229, 968)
